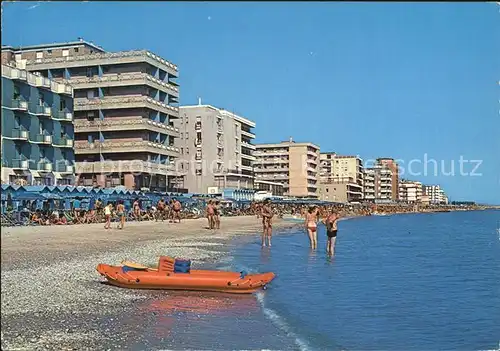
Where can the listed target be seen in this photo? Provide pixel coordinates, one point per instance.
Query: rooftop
(78, 42)
(222, 112)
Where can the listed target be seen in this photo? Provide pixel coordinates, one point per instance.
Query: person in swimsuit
(267, 222)
(331, 232)
(210, 214)
(137, 210)
(217, 214)
(176, 206)
(120, 211)
(107, 214)
(311, 226)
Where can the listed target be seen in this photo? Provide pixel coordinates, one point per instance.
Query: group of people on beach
(312, 216)
(213, 213)
(161, 211)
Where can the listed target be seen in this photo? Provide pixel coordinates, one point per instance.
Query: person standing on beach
(217, 214)
(311, 226)
(267, 222)
(160, 206)
(176, 206)
(331, 232)
(120, 211)
(210, 214)
(107, 214)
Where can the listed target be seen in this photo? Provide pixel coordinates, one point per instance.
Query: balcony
(41, 82)
(197, 126)
(63, 116)
(42, 139)
(272, 161)
(124, 79)
(18, 134)
(64, 168)
(121, 124)
(271, 170)
(62, 88)
(20, 164)
(248, 157)
(197, 143)
(312, 153)
(45, 166)
(220, 130)
(248, 145)
(41, 110)
(19, 104)
(119, 102)
(14, 73)
(248, 134)
(63, 142)
(246, 168)
(262, 153)
(105, 58)
(83, 148)
(125, 166)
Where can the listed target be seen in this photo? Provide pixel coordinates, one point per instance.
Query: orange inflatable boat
(167, 277)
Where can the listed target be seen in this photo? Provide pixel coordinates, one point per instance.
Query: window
(40, 99)
(42, 153)
(49, 52)
(187, 151)
(187, 135)
(17, 93)
(62, 104)
(182, 151)
(76, 49)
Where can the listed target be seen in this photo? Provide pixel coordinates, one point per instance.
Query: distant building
(125, 103)
(216, 149)
(378, 182)
(436, 195)
(391, 164)
(37, 129)
(293, 164)
(273, 188)
(341, 178)
(410, 191)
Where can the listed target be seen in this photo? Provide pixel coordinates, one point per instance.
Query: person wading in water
(331, 232)
(217, 214)
(267, 222)
(311, 226)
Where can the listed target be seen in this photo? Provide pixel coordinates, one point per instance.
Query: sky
(413, 81)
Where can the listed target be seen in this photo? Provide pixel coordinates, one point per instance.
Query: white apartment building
(435, 194)
(216, 149)
(410, 191)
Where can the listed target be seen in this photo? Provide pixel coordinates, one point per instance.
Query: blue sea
(399, 282)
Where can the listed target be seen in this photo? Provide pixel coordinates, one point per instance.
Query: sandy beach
(51, 295)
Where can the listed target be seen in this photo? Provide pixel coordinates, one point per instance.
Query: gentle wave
(281, 324)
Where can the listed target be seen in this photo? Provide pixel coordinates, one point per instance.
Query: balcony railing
(248, 145)
(42, 139)
(112, 124)
(62, 142)
(248, 157)
(126, 146)
(124, 79)
(135, 166)
(19, 134)
(65, 168)
(63, 116)
(41, 81)
(14, 73)
(20, 164)
(40, 110)
(20, 104)
(248, 134)
(112, 102)
(45, 166)
(105, 57)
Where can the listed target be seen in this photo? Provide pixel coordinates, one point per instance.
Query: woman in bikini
(120, 211)
(311, 226)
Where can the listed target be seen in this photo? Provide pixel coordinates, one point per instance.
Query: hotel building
(124, 107)
(295, 165)
(216, 149)
(410, 191)
(378, 184)
(341, 178)
(435, 194)
(37, 129)
(391, 164)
